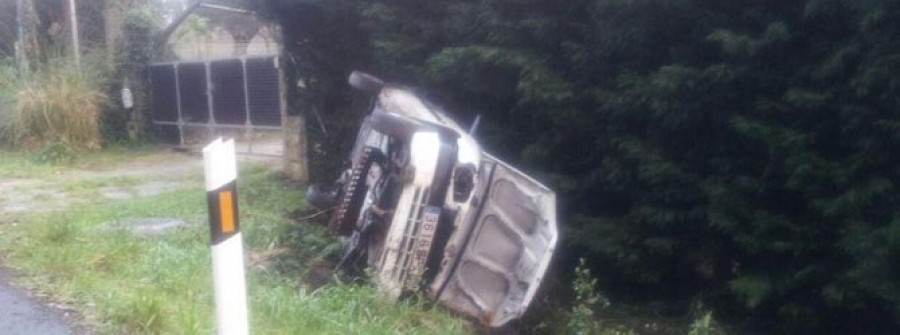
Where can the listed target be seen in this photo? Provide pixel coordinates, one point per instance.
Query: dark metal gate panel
(162, 87)
(263, 92)
(229, 101)
(192, 92)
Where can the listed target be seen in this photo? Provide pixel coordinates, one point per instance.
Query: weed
(581, 319)
(704, 323)
(56, 153)
(20, 165)
(62, 232)
(139, 313)
(91, 184)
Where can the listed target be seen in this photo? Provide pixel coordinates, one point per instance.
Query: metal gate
(202, 99)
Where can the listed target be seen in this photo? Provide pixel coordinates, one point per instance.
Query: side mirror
(365, 82)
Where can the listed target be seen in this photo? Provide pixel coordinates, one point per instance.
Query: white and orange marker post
(226, 240)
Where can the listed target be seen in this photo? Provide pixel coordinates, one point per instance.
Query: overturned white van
(426, 210)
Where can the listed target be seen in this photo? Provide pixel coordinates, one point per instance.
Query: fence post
(220, 168)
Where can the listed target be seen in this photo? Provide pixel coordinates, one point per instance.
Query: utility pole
(73, 18)
(27, 47)
(21, 60)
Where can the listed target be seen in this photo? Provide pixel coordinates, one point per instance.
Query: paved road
(20, 314)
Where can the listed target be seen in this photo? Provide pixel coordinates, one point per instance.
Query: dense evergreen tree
(323, 42)
(734, 151)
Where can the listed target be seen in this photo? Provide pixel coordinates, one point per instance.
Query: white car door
(500, 252)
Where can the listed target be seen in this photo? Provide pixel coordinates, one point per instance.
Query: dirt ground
(145, 176)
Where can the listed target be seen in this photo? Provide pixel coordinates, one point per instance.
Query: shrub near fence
(57, 104)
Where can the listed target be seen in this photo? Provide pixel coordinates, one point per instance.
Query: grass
(116, 153)
(122, 283)
(89, 184)
(28, 164)
(15, 164)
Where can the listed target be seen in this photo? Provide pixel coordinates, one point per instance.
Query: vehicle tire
(344, 219)
(395, 125)
(323, 196)
(365, 82)
(402, 127)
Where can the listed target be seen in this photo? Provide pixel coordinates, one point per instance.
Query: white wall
(220, 44)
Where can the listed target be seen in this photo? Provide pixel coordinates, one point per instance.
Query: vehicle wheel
(365, 82)
(323, 196)
(344, 220)
(402, 127)
(395, 125)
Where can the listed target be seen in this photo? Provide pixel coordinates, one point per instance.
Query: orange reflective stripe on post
(226, 209)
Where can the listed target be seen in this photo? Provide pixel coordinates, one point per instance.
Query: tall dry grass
(55, 104)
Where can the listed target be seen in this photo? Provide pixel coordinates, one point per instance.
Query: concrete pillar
(294, 156)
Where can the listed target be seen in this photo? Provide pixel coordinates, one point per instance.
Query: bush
(55, 104)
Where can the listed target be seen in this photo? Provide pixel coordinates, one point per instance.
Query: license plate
(430, 217)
